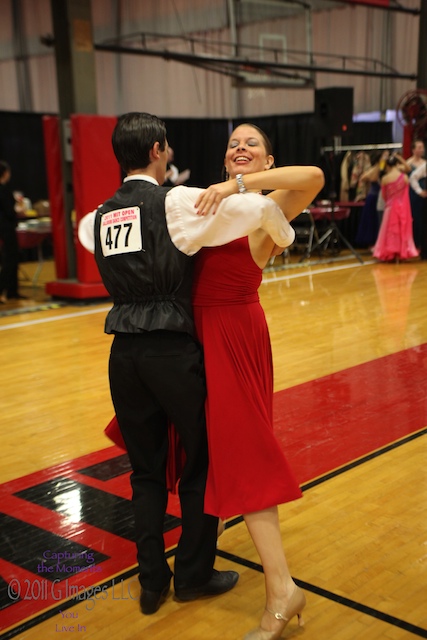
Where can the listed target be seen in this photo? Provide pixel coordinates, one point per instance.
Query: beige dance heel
(295, 606)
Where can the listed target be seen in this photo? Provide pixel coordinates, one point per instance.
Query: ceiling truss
(249, 65)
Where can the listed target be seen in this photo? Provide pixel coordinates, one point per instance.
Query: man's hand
(210, 199)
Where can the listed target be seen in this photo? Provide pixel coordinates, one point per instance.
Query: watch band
(240, 183)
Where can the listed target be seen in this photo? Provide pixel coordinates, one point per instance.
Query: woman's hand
(211, 197)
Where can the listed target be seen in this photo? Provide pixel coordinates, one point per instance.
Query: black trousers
(155, 376)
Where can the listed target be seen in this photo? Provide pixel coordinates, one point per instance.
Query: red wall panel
(96, 176)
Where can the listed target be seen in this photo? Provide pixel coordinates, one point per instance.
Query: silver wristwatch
(240, 183)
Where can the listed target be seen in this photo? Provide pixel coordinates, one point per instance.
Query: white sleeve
(416, 176)
(174, 173)
(237, 216)
(86, 231)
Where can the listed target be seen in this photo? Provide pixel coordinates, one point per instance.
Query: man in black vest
(156, 366)
(144, 237)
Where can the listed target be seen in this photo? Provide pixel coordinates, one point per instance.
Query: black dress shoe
(220, 582)
(150, 601)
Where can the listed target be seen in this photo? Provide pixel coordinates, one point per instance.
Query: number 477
(117, 228)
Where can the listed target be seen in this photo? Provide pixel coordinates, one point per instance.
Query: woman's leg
(264, 530)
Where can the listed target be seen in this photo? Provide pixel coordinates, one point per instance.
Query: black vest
(151, 287)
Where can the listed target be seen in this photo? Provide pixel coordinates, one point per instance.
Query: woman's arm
(292, 188)
(371, 175)
(404, 166)
(304, 185)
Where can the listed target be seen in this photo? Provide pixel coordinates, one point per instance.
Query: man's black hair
(133, 136)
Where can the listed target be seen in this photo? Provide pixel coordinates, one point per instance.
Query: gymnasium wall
(174, 89)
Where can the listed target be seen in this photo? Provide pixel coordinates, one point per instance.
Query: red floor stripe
(333, 420)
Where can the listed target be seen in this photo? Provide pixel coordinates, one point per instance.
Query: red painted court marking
(39, 594)
(333, 420)
(321, 425)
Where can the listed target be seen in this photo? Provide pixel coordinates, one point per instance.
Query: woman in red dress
(248, 473)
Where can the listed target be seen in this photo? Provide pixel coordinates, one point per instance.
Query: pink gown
(247, 468)
(395, 238)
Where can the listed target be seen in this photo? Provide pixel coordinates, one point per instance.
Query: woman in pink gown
(395, 239)
(248, 473)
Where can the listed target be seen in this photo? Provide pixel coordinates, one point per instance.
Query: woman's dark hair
(376, 157)
(133, 137)
(392, 161)
(264, 136)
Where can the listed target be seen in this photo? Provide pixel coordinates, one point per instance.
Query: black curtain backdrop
(199, 144)
(22, 147)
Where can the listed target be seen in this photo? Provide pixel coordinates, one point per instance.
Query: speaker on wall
(333, 110)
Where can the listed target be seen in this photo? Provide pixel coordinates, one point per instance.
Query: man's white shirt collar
(141, 176)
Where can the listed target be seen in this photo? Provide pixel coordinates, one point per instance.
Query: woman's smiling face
(246, 152)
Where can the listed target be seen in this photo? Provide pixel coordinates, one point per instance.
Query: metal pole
(75, 71)
(235, 92)
(422, 47)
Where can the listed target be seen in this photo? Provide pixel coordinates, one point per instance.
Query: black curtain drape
(199, 144)
(22, 147)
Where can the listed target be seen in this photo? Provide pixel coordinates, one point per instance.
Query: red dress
(247, 469)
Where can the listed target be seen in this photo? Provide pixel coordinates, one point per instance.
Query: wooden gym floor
(350, 353)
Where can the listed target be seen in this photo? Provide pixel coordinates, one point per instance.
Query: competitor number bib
(120, 231)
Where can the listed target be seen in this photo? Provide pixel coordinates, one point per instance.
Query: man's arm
(237, 216)
(86, 231)
(415, 177)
